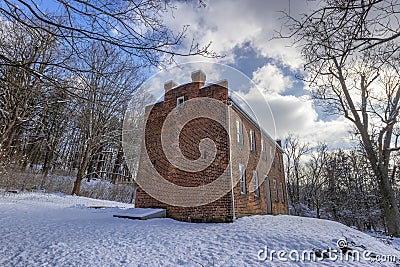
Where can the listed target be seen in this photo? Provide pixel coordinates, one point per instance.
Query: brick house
(244, 164)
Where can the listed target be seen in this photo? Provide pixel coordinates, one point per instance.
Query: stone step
(141, 213)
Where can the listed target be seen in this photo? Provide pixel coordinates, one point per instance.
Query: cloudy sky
(243, 31)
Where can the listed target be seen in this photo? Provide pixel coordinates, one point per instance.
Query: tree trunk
(81, 172)
(297, 186)
(388, 199)
(390, 208)
(100, 165)
(117, 164)
(90, 170)
(46, 166)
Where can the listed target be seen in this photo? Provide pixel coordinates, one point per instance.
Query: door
(268, 196)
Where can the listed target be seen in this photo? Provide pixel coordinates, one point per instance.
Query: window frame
(253, 147)
(263, 149)
(256, 184)
(282, 194)
(271, 154)
(276, 196)
(178, 99)
(242, 171)
(239, 131)
(279, 162)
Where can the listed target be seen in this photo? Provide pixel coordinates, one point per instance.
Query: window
(180, 100)
(263, 150)
(252, 141)
(276, 191)
(242, 171)
(279, 162)
(239, 131)
(256, 184)
(271, 155)
(282, 194)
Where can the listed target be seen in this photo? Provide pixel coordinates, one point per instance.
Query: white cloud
(231, 24)
(279, 49)
(271, 79)
(281, 115)
(297, 115)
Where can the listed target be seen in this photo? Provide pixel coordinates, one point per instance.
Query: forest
(68, 73)
(337, 184)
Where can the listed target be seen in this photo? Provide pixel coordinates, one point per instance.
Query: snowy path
(54, 230)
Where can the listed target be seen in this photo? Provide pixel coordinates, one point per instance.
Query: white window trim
(279, 163)
(271, 155)
(256, 184)
(242, 171)
(282, 194)
(252, 141)
(263, 149)
(239, 131)
(181, 98)
(276, 191)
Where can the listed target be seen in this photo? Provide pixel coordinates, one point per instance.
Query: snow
(140, 212)
(39, 229)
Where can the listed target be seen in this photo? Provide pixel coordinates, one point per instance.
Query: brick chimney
(279, 142)
(169, 85)
(198, 76)
(223, 83)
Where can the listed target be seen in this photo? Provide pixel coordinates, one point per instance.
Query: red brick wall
(189, 138)
(217, 211)
(249, 204)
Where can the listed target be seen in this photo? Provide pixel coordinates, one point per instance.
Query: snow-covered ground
(39, 229)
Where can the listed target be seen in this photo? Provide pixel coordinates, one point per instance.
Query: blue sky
(243, 31)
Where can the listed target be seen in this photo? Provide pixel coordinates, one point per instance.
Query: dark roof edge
(239, 109)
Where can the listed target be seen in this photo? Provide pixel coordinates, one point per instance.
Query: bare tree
(136, 28)
(338, 185)
(352, 195)
(316, 178)
(295, 151)
(21, 91)
(106, 91)
(351, 53)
